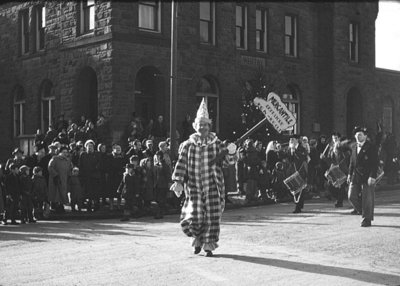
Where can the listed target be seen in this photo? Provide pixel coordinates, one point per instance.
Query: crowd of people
(75, 164)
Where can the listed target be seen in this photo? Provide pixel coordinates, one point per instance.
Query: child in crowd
(40, 191)
(264, 180)
(163, 178)
(278, 187)
(26, 183)
(130, 188)
(147, 167)
(75, 190)
(13, 194)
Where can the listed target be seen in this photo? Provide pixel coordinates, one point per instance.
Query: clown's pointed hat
(202, 113)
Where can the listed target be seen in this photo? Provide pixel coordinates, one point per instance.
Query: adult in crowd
(116, 170)
(362, 175)
(199, 175)
(271, 155)
(159, 131)
(59, 171)
(18, 160)
(187, 128)
(89, 166)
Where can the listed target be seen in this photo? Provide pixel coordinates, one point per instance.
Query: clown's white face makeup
(203, 129)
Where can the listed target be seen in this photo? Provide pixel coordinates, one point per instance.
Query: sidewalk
(236, 201)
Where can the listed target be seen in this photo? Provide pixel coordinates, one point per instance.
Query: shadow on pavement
(355, 274)
(42, 231)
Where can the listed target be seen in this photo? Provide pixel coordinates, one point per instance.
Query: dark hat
(13, 166)
(17, 150)
(336, 134)
(160, 153)
(295, 136)
(360, 129)
(62, 149)
(134, 158)
(23, 168)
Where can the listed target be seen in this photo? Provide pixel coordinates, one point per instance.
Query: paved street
(265, 245)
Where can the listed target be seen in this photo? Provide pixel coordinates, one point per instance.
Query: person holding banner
(297, 156)
(200, 176)
(362, 176)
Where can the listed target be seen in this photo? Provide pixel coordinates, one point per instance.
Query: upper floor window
(292, 101)
(207, 22)
(149, 15)
(47, 104)
(261, 30)
(291, 36)
(241, 27)
(86, 16)
(40, 26)
(353, 42)
(18, 110)
(24, 29)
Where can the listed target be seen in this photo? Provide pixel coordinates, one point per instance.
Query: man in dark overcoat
(362, 175)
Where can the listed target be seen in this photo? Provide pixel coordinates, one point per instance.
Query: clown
(200, 176)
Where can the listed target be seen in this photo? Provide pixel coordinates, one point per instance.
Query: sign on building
(276, 112)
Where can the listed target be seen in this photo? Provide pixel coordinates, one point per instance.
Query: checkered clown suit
(204, 189)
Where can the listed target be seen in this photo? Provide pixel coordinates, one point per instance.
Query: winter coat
(59, 171)
(40, 191)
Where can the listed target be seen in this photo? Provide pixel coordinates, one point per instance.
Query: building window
(18, 110)
(86, 16)
(261, 30)
(241, 27)
(353, 42)
(47, 105)
(24, 24)
(292, 101)
(149, 15)
(291, 36)
(388, 115)
(207, 22)
(40, 26)
(207, 88)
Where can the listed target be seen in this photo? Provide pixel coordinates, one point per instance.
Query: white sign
(276, 112)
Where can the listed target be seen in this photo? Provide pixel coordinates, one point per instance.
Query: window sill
(145, 31)
(85, 35)
(207, 46)
(33, 55)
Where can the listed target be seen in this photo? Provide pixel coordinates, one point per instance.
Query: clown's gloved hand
(177, 188)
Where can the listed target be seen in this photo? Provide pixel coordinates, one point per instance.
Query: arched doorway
(207, 87)
(149, 94)
(354, 114)
(85, 100)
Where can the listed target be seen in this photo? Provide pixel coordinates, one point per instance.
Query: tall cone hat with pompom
(202, 113)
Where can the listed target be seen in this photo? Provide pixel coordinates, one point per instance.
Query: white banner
(276, 112)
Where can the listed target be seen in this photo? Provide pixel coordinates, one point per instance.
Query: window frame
(293, 37)
(242, 28)
(40, 13)
(296, 101)
(47, 102)
(210, 24)
(24, 31)
(157, 16)
(85, 17)
(210, 94)
(264, 31)
(354, 39)
(18, 111)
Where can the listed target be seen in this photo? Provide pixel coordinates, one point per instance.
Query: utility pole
(173, 78)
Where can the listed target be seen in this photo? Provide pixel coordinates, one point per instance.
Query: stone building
(91, 57)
